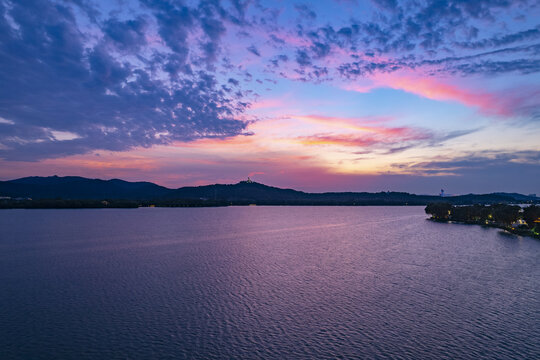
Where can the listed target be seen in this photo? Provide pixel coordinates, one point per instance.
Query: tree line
(103, 204)
(503, 215)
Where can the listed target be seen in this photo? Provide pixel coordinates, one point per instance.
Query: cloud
(387, 144)
(129, 35)
(159, 71)
(372, 135)
(302, 58)
(523, 66)
(476, 172)
(449, 39)
(6, 121)
(363, 124)
(387, 4)
(481, 172)
(513, 102)
(252, 49)
(305, 11)
(497, 41)
(107, 84)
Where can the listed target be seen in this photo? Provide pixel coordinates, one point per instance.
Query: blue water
(263, 282)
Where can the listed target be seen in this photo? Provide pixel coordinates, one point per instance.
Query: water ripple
(263, 283)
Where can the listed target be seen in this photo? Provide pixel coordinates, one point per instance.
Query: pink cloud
(361, 132)
(267, 103)
(388, 138)
(253, 173)
(436, 89)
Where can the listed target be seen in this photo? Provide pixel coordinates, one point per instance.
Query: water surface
(263, 282)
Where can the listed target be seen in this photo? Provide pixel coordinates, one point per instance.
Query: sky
(336, 95)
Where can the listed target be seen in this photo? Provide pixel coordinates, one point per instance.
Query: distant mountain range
(244, 192)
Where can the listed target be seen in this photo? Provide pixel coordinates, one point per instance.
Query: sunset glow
(322, 96)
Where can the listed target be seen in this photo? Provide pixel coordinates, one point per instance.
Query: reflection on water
(263, 282)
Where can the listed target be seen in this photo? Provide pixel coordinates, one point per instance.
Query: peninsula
(512, 218)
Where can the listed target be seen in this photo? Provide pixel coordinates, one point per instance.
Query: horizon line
(446, 195)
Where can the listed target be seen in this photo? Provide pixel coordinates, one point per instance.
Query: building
(518, 223)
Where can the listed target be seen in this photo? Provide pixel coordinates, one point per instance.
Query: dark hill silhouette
(244, 192)
(75, 187)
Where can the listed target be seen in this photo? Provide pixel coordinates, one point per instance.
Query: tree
(438, 210)
(505, 214)
(530, 214)
(478, 213)
(485, 213)
(461, 213)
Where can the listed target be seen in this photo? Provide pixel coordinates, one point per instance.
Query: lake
(263, 282)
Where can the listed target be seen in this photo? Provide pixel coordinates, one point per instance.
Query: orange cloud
(107, 163)
(342, 140)
(357, 124)
(391, 136)
(364, 133)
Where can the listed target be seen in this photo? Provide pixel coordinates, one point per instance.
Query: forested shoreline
(513, 218)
